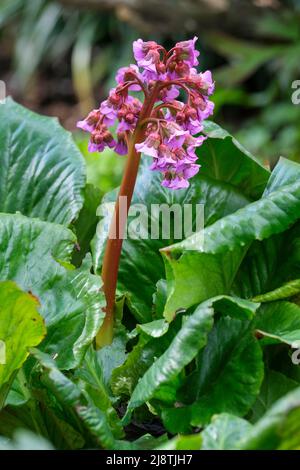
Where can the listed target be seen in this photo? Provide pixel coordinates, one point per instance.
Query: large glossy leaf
(228, 378)
(289, 289)
(21, 327)
(279, 428)
(275, 385)
(39, 412)
(42, 171)
(36, 255)
(209, 260)
(185, 346)
(25, 440)
(279, 321)
(190, 339)
(99, 422)
(145, 442)
(91, 375)
(224, 432)
(271, 263)
(85, 225)
(285, 172)
(224, 159)
(229, 179)
(192, 442)
(113, 355)
(125, 378)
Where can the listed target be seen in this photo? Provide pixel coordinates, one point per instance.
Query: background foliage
(56, 58)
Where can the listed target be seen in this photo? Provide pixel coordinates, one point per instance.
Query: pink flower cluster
(170, 127)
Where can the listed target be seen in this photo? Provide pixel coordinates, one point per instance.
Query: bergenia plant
(207, 353)
(159, 124)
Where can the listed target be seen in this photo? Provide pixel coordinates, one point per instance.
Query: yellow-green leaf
(21, 327)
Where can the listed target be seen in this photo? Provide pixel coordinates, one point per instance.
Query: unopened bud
(122, 113)
(154, 139)
(182, 69)
(107, 137)
(172, 66)
(130, 118)
(199, 102)
(129, 75)
(191, 113)
(114, 99)
(180, 117)
(160, 67)
(93, 117)
(97, 137)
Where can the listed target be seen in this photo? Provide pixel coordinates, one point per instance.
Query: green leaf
(36, 255)
(186, 344)
(42, 170)
(225, 160)
(279, 321)
(155, 329)
(272, 262)
(91, 374)
(114, 355)
(269, 264)
(125, 377)
(227, 380)
(85, 225)
(224, 432)
(160, 297)
(145, 442)
(192, 442)
(40, 412)
(73, 397)
(275, 385)
(279, 428)
(289, 289)
(18, 394)
(285, 172)
(21, 327)
(162, 378)
(229, 179)
(209, 260)
(25, 440)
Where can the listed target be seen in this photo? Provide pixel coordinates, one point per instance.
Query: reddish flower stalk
(113, 249)
(161, 127)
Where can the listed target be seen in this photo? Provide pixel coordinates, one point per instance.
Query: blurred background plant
(59, 58)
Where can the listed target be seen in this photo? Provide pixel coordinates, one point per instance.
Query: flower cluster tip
(171, 127)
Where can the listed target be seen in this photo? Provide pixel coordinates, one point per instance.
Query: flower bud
(182, 69)
(180, 117)
(130, 118)
(160, 67)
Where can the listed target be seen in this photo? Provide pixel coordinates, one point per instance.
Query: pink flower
(185, 51)
(202, 82)
(146, 54)
(90, 122)
(129, 74)
(170, 93)
(121, 145)
(208, 82)
(179, 179)
(150, 145)
(101, 138)
(128, 113)
(177, 136)
(170, 126)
